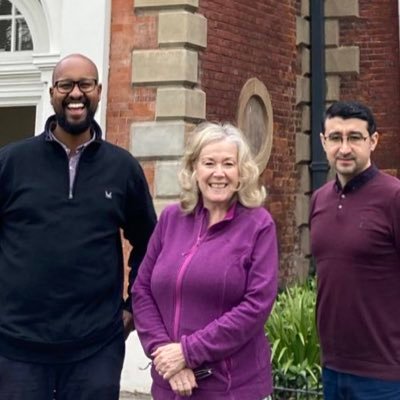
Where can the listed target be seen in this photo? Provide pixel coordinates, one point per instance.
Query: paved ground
(134, 396)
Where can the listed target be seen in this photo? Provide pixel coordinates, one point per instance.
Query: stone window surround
(255, 88)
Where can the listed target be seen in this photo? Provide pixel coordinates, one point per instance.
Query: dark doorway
(16, 123)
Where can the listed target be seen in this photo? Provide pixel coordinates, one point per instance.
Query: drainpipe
(319, 166)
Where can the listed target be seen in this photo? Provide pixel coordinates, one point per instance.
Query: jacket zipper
(228, 366)
(71, 189)
(178, 287)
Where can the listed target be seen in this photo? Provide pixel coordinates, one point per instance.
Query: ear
(99, 89)
(374, 138)
(322, 137)
(51, 92)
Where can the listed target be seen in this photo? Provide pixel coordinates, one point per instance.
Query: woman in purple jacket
(209, 279)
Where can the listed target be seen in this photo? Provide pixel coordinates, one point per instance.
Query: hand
(169, 360)
(127, 319)
(183, 382)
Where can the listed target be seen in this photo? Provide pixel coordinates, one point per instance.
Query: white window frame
(57, 29)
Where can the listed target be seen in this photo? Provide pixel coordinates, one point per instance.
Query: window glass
(254, 124)
(23, 40)
(5, 35)
(5, 7)
(14, 31)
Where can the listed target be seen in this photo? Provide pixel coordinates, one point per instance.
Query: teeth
(218, 185)
(75, 105)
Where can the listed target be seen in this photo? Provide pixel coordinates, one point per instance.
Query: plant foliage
(291, 330)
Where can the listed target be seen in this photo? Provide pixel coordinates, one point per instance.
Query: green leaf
(293, 336)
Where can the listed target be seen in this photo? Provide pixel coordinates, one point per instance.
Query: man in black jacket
(65, 197)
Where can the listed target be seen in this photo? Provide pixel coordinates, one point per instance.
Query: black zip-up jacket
(61, 261)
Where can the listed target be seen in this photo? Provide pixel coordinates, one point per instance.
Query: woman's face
(217, 173)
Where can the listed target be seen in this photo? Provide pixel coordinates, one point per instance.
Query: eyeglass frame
(202, 373)
(358, 137)
(79, 82)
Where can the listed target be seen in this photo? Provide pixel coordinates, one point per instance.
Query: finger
(155, 353)
(192, 380)
(169, 374)
(189, 378)
(183, 390)
(158, 368)
(160, 364)
(187, 384)
(174, 387)
(178, 386)
(156, 361)
(188, 391)
(185, 393)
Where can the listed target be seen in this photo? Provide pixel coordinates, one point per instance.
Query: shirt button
(343, 196)
(340, 207)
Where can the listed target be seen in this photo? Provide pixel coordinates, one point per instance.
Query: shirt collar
(358, 181)
(52, 137)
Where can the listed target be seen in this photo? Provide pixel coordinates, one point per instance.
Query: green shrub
(292, 333)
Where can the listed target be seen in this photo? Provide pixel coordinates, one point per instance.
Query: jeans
(343, 386)
(94, 378)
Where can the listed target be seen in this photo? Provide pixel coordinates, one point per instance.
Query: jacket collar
(51, 121)
(201, 211)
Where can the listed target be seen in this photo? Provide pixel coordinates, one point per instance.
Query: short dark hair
(350, 109)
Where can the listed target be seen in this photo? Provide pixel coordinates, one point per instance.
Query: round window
(255, 120)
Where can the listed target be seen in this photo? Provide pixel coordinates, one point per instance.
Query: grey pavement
(134, 396)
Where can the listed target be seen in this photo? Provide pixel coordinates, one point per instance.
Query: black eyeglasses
(67, 85)
(353, 139)
(201, 373)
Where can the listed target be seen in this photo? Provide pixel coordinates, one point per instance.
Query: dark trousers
(342, 386)
(94, 378)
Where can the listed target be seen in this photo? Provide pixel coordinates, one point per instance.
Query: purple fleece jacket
(212, 290)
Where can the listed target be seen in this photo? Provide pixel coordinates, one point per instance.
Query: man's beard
(76, 128)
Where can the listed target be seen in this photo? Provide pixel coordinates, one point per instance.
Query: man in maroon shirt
(355, 238)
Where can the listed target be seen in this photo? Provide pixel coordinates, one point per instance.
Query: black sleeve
(140, 220)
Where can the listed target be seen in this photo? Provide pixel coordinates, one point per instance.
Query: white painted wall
(134, 378)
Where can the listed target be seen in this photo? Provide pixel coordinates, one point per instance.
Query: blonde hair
(250, 193)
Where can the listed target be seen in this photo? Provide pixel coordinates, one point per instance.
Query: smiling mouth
(75, 106)
(76, 110)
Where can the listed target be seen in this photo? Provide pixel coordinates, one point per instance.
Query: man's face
(75, 110)
(348, 146)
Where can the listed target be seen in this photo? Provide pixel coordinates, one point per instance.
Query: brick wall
(257, 38)
(378, 85)
(126, 104)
